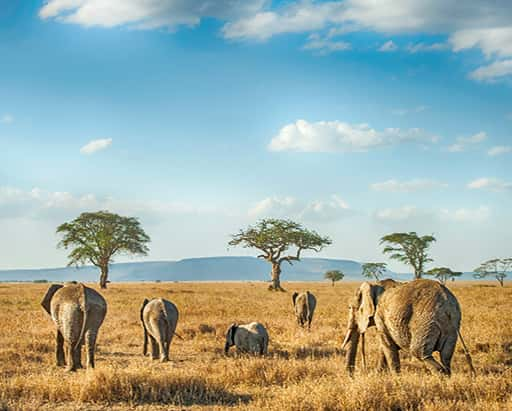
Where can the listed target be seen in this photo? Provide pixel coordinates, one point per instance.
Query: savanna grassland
(303, 371)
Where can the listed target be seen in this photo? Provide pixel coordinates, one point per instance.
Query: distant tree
(497, 267)
(274, 237)
(443, 274)
(97, 237)
(410, 249)
(373, 270)
(334, 276)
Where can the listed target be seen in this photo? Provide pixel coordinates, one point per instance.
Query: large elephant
(304, 305)
(420, 317)
(159, 319)
(78, 312)
(248, 338)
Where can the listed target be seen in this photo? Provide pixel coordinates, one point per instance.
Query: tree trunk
(500, 279)
(333, 283)
(276, 280)
(104, 276)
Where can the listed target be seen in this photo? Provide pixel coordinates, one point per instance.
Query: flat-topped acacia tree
(275, 238)
(97, 237)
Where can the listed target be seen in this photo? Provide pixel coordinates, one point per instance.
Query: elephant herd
(419, 317)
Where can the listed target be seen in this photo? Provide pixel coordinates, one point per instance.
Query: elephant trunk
(352, 338)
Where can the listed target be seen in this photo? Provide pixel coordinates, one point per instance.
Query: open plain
(303, 371)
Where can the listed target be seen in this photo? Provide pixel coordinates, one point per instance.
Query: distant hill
(195, 269)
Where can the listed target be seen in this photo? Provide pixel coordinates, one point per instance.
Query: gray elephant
(304, 304)
(248, 338)
(159, 320)
(420, 317)
(78, 312)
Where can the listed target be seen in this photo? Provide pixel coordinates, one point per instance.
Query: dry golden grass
(304, 371)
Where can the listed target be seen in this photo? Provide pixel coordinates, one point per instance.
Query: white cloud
(395, 186)
(463, 142)
(423, 47)
(492, 184)
(493, 41)
(6, 119)
(289, 207)
(324, 46)
(146, 14)
(388, 46)
(336, 136)
(498, 150)
(411, 216)
(492, 72)
(96, 145)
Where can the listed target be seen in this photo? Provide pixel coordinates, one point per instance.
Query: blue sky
(355, 118)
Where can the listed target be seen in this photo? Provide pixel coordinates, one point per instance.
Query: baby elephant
(159, 319)
(248, 338)
(305, 304)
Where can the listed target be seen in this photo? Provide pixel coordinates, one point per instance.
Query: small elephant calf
(304, 304)
(248, 338)
(159, 319)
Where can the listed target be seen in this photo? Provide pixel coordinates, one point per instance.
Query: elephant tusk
(347, 338)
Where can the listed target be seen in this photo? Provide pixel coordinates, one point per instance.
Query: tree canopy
(497, 267)
(96, 237)
(409, 248)
(276, 239)
(443, 274)
(373, 270)
(334, 276)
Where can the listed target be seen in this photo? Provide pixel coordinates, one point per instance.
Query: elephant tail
(145, 346)
(467, 354)
(85, 308)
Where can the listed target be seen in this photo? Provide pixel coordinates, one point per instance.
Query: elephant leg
(447, 354)
(59, 350)
(422, 348)
(164, 349)
(382, 364)
(77, 356)
(90, 340)
(390, 350)
(155, 353)
(433, 365)
(71, 366)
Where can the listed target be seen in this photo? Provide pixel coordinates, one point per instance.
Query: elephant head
(361, 316)
(47, 299)
(230, 337)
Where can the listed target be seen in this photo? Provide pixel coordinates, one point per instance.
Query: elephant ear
(47, 300)
(366, 308)
(294, 297)
(231, 334)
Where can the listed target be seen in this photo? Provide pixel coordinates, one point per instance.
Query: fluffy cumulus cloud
(409, 217)
(146, 14)
(395, 186)
(493, 72)
(462, 143)
(327, 210)
(499, 150)
(96, 145)
(337, 136)
(493, 184)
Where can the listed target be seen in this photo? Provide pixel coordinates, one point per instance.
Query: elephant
(159, 319)
(304, 304)
(78, 312)
(420, 317)
(248, 338)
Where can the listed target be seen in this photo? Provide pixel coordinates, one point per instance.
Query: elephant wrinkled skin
(420, 317)
(159, 319)
(248, 338)
(78, 312)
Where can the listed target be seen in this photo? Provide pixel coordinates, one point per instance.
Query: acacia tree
(275, 238)
(498, 267)
(97, 237)
(373, 270)
(443, 274)
(410, 249)
(334, 276)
